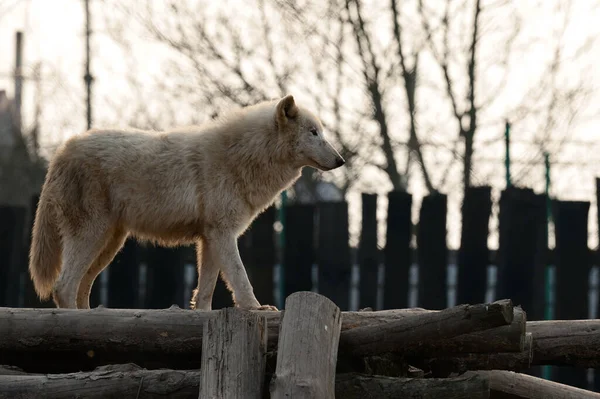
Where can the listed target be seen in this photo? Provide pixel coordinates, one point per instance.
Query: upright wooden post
(473, 255)
(397, 250)
(307, 349)
(12, 223)
(522, 250)
(334, 253)
(572, 273)
(262, 261)
(233, 355)
(164, 283)
(299, 253)
(123, 277)
(432, 252)
(368, 253)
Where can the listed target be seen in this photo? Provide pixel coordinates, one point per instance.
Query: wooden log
(233, 355)
(407, 335)
(308, 346)
(445, 364)
(131, 381)
(508, 384)
(113, 381)
(67, 340)
(357, 386)
(566, 342)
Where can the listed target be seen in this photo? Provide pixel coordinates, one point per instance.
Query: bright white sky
(54, 34)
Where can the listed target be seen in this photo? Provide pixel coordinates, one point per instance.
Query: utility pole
(19, 82)
(507, 156)
(88, 77)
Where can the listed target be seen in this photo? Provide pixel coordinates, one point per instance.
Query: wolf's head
(304, 133)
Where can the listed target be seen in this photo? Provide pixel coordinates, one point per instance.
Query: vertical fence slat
(123, 276)
(572, 273)
(299, 252)
(368, 253)
(397, 251)
(334, 253)
(12, 223)
(262, 262)
(165, 274)
(473, 255)
(597, 264)
(432, 252)
(522, 250)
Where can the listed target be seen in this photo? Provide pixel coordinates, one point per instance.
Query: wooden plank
(233, 355)
(307, 348)
(368, 253)
(299, 252)
(12, 235)
(334, 253)
(397, 250)
(508, 384)
(473, 255)
(432, 252)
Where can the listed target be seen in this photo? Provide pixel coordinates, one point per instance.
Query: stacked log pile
(309, 350)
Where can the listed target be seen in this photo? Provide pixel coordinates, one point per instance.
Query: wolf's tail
(46, 250)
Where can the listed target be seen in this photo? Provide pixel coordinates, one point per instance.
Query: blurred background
(470, 130)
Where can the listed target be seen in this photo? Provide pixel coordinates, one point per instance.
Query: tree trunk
(507, 384)
(407, 336)
(233, 355)
(308, 346)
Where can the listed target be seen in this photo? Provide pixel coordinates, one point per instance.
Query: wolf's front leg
(224, 247)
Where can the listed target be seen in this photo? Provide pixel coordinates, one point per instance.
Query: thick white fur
(202, 184)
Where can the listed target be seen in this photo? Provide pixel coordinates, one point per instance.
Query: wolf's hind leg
(79, 251)
(112, 247)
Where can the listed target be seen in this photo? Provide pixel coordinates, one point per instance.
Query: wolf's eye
(314, 132)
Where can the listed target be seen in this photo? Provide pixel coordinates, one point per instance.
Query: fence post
(233, 355)
(334, 253)
(165, 277)
(12, 224)
(397, 250)
(473, 255)
(368, 253)
(307, 349)
(123, 277)
(522, 252)
(262, 259)
(299, 253)
(432, 252)
(572, 273)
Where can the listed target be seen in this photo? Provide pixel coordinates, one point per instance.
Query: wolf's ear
(286, 109)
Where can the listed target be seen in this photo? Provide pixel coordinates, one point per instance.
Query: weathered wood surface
(408, 335)
(445, 364)
(233, 355)
(107, 382)
(357, 386)
(66, 340)
(307, 348)
(508, 384)
(566, 342)
(130, 381)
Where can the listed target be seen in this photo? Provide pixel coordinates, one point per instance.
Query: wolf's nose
(340, 162)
